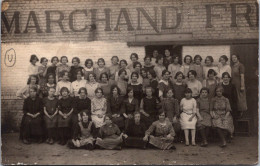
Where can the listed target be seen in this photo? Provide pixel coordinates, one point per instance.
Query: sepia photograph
(129, 82)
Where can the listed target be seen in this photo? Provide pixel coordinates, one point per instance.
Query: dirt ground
(242, 150)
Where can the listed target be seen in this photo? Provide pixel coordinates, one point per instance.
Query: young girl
(50, 84)
(146, 81)
(113, 68)
(174, 67)
(33, 68)
(179, 87)
(62, 67)
(209, 65)
(159, 67)
(223, 67)
(42, 71)
(123, 65)
(88, 68)
(151, 75)
(105, 85)
(188, 117)
(122, 83)
(75, 68)
(91, 85)
(79, 83)
(147, 63)
(211, 83)
(52, 69)
(197, 66)
(32, 82)
(204, 124)
(64, 82)
(185, 68)
(50, 104)
(137, 87)
(83, 138)
(168, 59)
(100, 69)
(65, 107)
(148, 107)
(134, 58)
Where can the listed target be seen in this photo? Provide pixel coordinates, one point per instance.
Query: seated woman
(110, 136)
(83, 137)
(135, 132)
(31, 126)
(115, 105)
(163, 133)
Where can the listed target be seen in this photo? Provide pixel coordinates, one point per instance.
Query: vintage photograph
(129, 82)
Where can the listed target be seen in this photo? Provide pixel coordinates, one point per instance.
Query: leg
(186, 133)
(193, 133)
(203, 135)
(222, 137)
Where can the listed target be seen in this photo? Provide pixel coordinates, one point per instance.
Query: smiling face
(211, 76)
(34, 60)
(104, 78)
(82, 94)
(115, 92)
(197, 61)
(179, 78)
(75, 62)
(138, 68)
(51, 92)
(167, 53)
(51, 79)
(134, 78)
(33, 81)
(208, 62)
(143, 73)
(191, 76)
(64, 93)
(148, 92)
(226, 79)
(160, 61)
(162, 117)
(101, 64)
(65, 77)
(176, 60)
(89, 64)
(122, 64)
(55, 61)
(188, 95)
(64, 61)
(219, 92)
(122, 75)
(166, 76)
(45, 62)
(32, 93)
(79, 76)
(114, 60)
(91, 78)
(149, 76)
(84, 118)
(188, 60)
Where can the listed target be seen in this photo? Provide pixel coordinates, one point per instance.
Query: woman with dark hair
(75, 68)
(146, 81)
(101, 69)
(167, 59)
(164, 83)
(64, 82)
(33, 68)
(221, 118)
(179, 87)
(174, 67)
(137, 68)
(135, 132)
(137, 87)
(185, 68)
(211, 83)
(122, 83)
(91, 85)
(151, 75)
(197, 66)
(134, 58)
(32, 82)
(238, 79)
(51, 83)
(115, 107)
(123, 65)
(209, 65)
(223, 67)
(110, 136)
(154, 57)
(161, 133)
(88, 68)
(105, 84)
(147, 63)
(52, 69)
(62, 67)
(159, 67)
(42, 69)
(79, 83)
(113, 68)
(194, 84)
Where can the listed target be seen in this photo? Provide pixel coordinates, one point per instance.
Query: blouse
(76, 85)
(158, 70)
(32, 69)
(62, 84)
(91, 87)
(32, 106)
(222, 69)
(195, 87)
(199, 71)
(188, 106)
(87, 71)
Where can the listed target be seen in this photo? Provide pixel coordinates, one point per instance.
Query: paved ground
(243, 150)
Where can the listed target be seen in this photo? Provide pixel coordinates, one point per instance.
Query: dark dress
(167, 62)
(179, 91)
(51, 107)
(135, 133)
(230, 93)
(45, 88)
(51, 70)
(154, 85)
(129, 109)
(148, 68)
(150, 107)
(32, 126)
(116, 106)
(138, 91)
(65, 106)
(73, 72)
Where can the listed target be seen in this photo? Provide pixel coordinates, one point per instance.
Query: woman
(88, 68)
(50, 84)
(167, 59)
(209, 65)
(64, 82)
(221, 118)
(33, 68)
(164, 83)
(115, 107)
(146, 81)
(113, 68)
(194, 84)
(101, 69)
(161, 133)
(137, 87)
(52, 69)
(151, 75)
(179, 87)
(135, 133)
(75, 68)
(154, 57)
(197, 66)
(137, 68)
(238, 79)
(159, 67)
(42, 69)
(174, 67)
(32, 82)
(122, 83)
(211, 83)
(185, 68)
(79, 83)
(223, 67)
(105, 84)
(147, 63)
(123, 65)
(62, 67)
(110, 136)
(134, 58)
(91, 85)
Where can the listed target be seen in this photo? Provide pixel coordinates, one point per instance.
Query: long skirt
(120, 122)
(99, 122)
(110, 142)
(161, 142)
(136, 142)
(50, 123)
(31, 127)
(64, 122)
(206, 122)
(224, 123)
(185, 123)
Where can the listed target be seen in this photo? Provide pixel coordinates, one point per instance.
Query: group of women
(133, 105)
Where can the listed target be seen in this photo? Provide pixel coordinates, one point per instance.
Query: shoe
(194, 144)
(223, 145)
(63, 142)
(187, 144)
(25, 141)
(51, 141)
(173, 147)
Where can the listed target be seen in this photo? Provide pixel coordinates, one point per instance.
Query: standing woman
(154, 56)
(211, 83)
(113, 68)
(146, 81)
(221, 118)
(161, 133)
(42, 71)
(164, 83)
(174, 67)
(62, 67)
(88, 68)
(151, 75)
(91, 85)
(105, 84)
(137, 87)
(147, 63)
(194, 84)
(197, 66)
(79, 83)
(25, 92)
(238, 79)
(100, 69)
(167, 59)
(209, 65)
(33, 68)
(179, 87)
(52, 69)
(122, 83)
(134, 58)
(159, 67)
(223, 67)
(185, 68)
(74, 69)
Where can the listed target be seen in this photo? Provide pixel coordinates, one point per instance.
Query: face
(137, 67)
(169, 93)
(115, 91)
(176, 60)
(222, 61)
(167, 53)
(33, 80)
(51, 92)
(51, 79)
(188, 95)
(55, 61)
(197, 61)
(123, 64)
(65, 77)
(82, 94)
(219, 92)
(166, 76)
(91, 77)
(122, 75)
(226, 79)
(147, 61)
(234, 58)
(149, 92)
(99, 94)
(64, 60)
(155, 53)
(188, 60)
(144, 73)
(79, 75)
(44, 63)
(114, 61)
(211, 76)
(101, 64)
(32, 93)
(131, 94)
(34, 61)
(64, 93)
(108, 121)
(179, 78)
(191, 76)
(85, 118)
(208, 62)
(75, 62)
(149, 76)
(160, 61)
(89, 64)
(134, 78)
(137, 118)
(204, 93)
(133, 58)
(162, 116)
(104, 78)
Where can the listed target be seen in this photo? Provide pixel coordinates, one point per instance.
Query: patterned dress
(98, 107)
(220, 106)
(203, 104)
